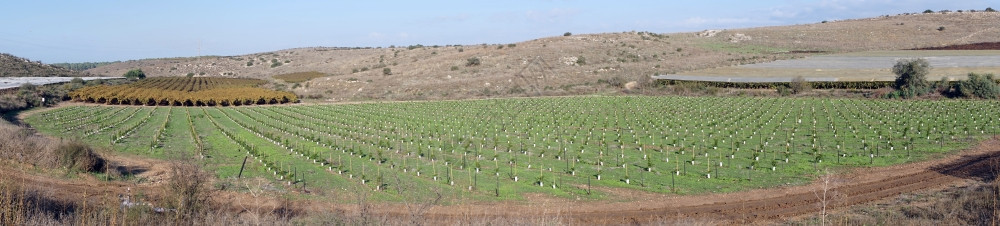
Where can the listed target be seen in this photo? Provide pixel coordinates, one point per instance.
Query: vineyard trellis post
(242, 166)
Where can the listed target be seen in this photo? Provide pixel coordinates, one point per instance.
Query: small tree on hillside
(135, 74)
(911, 77)
(990, 9)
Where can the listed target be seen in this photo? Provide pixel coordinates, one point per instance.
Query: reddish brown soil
(973, 46)
(756, 206)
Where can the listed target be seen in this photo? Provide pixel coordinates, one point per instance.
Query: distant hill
(12, 66)
(568, 65)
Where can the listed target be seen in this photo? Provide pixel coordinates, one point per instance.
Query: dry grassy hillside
(553, 65)
(12, 66)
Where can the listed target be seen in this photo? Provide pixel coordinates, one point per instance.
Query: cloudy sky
(87, 31)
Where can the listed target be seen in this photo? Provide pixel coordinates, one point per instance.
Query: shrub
(473, 62)
(928, 11)
(11, 102)
(567, 34)
(990, 9)
(188, 192)
(30, 94)
(940, 29)
(454, 68)
(275, 64)
(580, 60)
(978, 86)
(77, 155)
(800, 85)
(943, 86)
(784, 90)
(616, 81)
(135, 74)
(386, 71)
(911, 77)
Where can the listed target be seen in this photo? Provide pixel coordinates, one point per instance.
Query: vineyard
(185, 91)
(505, 148)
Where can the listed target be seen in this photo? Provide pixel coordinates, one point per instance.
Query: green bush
(928, 11)
(567, 34)
(135, 74)
(580, 60)
(386, 71)
(990, 9)
(978, 86)
(911, 77)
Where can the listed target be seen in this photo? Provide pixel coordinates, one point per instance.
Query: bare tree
(825, 193)
(417, 205)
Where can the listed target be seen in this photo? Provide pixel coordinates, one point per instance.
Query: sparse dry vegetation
(298, 77)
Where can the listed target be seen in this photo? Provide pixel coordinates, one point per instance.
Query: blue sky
(81, 31)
